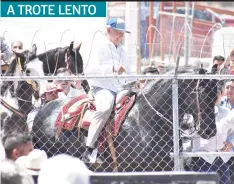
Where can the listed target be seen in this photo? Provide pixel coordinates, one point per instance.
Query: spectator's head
(11, 173)
(64, 84)
(229, 90)
(230, 62)
(17, 145)
(64, 169)
(231, 67)
(232, 55)
(115, 30)
(17, 46)
(51, 92)
(219, 60)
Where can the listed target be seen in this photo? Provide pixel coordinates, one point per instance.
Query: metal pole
(151, 22)
(161, 30)
(138, 69)
(176, 136)
(191, 27)
(172, 37)
(186, 44)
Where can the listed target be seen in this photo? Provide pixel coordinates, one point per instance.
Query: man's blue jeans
(144, 45)
(200, 165)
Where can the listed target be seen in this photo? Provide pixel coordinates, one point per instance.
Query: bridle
(67, 60)
(198, 109)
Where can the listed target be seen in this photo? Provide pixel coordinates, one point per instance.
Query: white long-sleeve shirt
(224, 125)
(103, 58)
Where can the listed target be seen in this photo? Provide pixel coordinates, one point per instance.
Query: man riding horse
(108, 57)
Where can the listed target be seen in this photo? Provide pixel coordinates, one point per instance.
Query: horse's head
(25, 63)
(74, 59)
(198, 98)
(28, 62)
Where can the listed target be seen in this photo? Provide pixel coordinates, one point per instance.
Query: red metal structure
(200, 28)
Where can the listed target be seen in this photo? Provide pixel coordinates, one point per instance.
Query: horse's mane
(61, 50)
(159, 82)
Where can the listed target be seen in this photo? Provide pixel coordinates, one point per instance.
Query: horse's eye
(27, 72)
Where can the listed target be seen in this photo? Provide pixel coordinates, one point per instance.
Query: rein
(12, 109)
(197, 128)
(161, 115)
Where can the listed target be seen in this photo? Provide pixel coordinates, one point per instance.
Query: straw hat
(33, 161)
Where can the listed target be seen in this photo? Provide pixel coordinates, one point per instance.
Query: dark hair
(12, 141)
(219, 58)
(151, 69)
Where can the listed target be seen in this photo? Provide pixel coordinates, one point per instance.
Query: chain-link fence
(150, 127)
(159, 123)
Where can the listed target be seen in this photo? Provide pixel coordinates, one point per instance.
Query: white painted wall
(131, 19)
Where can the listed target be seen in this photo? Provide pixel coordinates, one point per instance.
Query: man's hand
(227, 147)
(120, 70)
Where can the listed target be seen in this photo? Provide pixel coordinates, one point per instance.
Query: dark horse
(16, 96)
(67, 57)
(145, 139)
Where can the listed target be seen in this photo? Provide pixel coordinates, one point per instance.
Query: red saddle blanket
(77, 113)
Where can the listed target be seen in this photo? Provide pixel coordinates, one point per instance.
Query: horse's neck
(17, 73)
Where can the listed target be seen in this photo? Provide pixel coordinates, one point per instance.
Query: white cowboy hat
(33, 161)
(64, 169)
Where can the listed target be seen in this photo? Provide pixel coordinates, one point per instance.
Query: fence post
(176, 136)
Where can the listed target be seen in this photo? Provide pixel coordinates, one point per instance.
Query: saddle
(77, 113)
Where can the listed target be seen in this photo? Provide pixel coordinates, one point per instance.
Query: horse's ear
(71, 46)
(202, 70)
(79, 46)
(34, 49)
